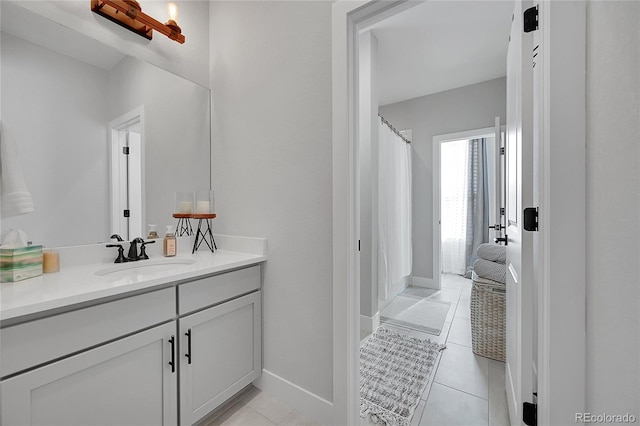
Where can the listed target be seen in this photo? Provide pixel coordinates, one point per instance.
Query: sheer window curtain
(478, 202)
(464, 203)
(454, 202)
(394, 210)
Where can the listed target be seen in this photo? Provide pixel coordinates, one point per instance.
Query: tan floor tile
(498, 409)
(447, 406)
(460, 332)
(461, 369)
(266, 405)
(297, 419)
(464, 308)
(241, 415)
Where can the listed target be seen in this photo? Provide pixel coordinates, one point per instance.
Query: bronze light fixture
(129, 14)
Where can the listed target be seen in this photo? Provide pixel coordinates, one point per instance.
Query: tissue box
(20, 263)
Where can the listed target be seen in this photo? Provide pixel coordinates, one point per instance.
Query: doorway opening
(427, 308)
(126, 144)
(566, 379)
(468, 186)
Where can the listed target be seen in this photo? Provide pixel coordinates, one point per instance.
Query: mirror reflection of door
(126, 175)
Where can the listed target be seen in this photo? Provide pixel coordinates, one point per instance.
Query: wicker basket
(488, 320)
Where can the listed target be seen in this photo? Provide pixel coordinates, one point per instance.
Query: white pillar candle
(202, 207)
(185, 207)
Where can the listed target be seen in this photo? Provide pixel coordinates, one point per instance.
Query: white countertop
(80, 284)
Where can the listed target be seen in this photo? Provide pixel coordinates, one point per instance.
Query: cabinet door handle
(188, 354)
(172, 363)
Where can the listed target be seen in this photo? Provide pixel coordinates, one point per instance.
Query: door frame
(562, 132)
(438, 140)
(348, 17)
(561, 321)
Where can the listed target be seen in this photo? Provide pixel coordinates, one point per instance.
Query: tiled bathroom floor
(467, 389)
(256, 408)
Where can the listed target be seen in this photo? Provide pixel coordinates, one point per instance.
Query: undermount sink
(144, 267)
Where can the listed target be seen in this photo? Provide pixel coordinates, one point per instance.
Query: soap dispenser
(170, 244)
(153, 234)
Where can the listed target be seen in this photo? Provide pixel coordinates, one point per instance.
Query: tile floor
(252, 407)
(466, 389)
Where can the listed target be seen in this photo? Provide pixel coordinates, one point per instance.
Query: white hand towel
(16, 199)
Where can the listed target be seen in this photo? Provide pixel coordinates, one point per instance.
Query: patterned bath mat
(409, 311)
(394, 372)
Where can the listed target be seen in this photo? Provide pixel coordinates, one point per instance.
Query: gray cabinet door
(220, 353)
(126, 382)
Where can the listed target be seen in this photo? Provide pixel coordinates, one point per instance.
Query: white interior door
(519, 182)
(119, 191)
(498, 181)
(134, 179)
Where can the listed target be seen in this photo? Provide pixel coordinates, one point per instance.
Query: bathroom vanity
(154, 342)
(115, 345)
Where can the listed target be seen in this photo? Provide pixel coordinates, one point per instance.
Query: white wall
(82, 181)
(190, 60)
(465, 108)
(613, 256)
(271, 83)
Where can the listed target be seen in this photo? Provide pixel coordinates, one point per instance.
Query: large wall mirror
(73, 107)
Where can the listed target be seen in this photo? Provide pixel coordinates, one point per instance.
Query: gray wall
(271, 83)
(464, 108)
(613, 256)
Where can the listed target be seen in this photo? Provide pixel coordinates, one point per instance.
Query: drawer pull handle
(188, 354)
(172, 363)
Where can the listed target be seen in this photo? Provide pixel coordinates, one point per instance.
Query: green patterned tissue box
(20, 263)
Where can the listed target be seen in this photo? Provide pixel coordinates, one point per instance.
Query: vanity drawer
(36, 342)
(218, 288)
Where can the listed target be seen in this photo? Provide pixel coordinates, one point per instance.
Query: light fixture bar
(126, 14)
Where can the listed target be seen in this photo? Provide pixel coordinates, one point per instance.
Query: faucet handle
(117, 237)
(120, 258)
(143, 253)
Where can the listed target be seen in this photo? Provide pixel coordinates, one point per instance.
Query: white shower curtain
(394, 210)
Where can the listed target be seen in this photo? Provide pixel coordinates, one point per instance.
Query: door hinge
(125, 150)
(530, 219)
(531, 19)
(502, 150)
(530, 414)
(358, 245)
(127, 213)
(501, 211)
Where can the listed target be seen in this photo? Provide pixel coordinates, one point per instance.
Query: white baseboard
(423, 282)
(307, 403)
(369, 324)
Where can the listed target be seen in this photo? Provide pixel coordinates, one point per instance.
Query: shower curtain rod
(393, 129)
